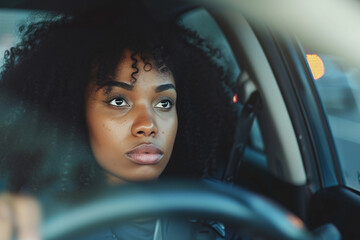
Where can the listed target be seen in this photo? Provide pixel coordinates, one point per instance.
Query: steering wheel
(225, 203)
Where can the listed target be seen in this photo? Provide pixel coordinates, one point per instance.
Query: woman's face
(132, 126)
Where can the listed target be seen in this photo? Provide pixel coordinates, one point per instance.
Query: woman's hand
(20, 216)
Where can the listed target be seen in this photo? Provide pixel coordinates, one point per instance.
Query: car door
(324, 132)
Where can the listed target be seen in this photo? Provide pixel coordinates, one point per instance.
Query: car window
(201, 21)
(10, 22)
(338, 85)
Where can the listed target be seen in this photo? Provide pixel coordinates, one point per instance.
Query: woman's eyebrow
(164, 87)
(118, 84)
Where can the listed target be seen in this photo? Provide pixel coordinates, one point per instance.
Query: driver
(106, 98)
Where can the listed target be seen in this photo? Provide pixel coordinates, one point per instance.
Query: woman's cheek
(108, 139)
(171, 132)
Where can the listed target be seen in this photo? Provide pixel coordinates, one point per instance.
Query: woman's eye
(165, 104)
(118, 102)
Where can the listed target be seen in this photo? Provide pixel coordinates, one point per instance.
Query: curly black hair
(44, 141)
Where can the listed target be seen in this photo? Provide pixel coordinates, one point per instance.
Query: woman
(97, 99)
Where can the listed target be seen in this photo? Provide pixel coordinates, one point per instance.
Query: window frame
(294, 77)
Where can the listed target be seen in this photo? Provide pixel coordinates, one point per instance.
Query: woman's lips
(145, 154)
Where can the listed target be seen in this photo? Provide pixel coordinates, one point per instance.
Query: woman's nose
(144, 124)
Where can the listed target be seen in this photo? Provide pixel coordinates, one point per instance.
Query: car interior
(273, 149)
(289, 155)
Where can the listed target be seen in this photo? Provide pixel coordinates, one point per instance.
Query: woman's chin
(115, 180)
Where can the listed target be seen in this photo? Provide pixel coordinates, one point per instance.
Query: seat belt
(242, 132)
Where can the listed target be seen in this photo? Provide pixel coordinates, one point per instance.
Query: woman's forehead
(132, 69)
